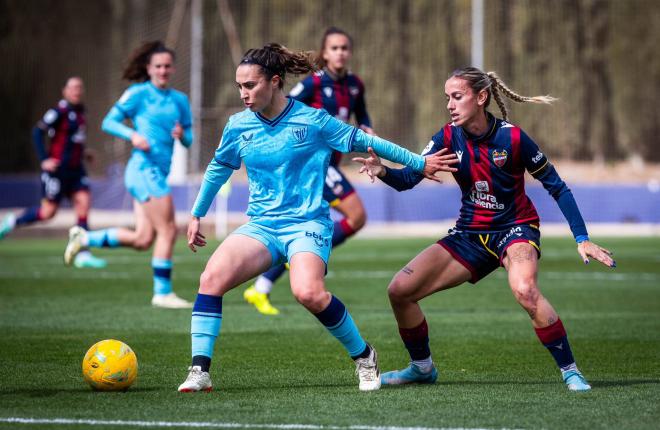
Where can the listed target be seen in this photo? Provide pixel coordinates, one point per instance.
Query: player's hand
(177, 132)
(368, 130)
(195, 238)
(371, 165)
(588, 249)
(50, 164)
(140, 142)
(440, 161)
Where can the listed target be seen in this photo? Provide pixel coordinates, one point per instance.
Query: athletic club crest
(300, 133)
(499, 158)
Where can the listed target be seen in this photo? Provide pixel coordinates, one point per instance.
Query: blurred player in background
(62, 165)
(498, 224)
(286, 148)
(161, 117)
(341, 93)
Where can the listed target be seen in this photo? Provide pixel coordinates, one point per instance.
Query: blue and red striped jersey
(491, 177)
(339, 96)
(65, 125)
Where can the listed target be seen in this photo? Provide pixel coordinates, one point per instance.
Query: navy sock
(555, 339)
(28, 216)
(274, 272)
(202, 361)
(340, 324)
(82, 222)
(416, 340)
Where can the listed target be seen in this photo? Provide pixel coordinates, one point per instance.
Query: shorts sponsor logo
(499, 158)
(318, 239)
(300, 133)
(517, 231)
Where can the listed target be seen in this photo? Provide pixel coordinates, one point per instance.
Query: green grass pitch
(273, 372)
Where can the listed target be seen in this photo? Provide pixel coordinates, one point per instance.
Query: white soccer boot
(196, 381)
(367, 371)
(77, 242)
(170, 301)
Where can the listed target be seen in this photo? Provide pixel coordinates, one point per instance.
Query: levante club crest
(499, 158)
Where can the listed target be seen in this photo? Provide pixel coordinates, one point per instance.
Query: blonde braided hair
(491, 82)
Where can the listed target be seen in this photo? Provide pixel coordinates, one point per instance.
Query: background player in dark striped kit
(341, 93)
(63, 173)
(498, 224)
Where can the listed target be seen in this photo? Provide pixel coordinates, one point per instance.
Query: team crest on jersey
(499, 158)
(354, 91)
(300, 133)
(327, 91)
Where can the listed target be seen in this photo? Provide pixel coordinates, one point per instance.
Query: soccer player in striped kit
(161, 117)
(286, 148)
(498, 224)
(341, 93)
(63, 172)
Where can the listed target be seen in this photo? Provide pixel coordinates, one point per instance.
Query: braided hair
(479, 80)
(276, 60)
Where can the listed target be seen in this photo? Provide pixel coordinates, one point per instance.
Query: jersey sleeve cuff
(581, 238)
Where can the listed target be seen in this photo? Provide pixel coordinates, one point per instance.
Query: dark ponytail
(275, 59)
(136, 70)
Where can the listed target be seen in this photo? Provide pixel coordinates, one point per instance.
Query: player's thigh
(351, 207)
(306, 271)
(521, 264)
(238, 259)
(434, 269)
(160, 212)
(48, 208)
(143, 225)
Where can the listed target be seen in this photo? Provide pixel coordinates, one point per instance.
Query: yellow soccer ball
(110, 365)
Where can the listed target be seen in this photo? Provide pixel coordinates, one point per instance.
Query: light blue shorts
(144, 180)
(287, 239)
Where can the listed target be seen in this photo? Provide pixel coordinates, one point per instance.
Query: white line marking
(194, 424)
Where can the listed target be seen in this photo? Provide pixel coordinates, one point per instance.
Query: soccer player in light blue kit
(161, 117)
(286, 147)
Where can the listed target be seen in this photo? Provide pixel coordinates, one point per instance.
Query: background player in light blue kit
(161, 116)
(286, 147)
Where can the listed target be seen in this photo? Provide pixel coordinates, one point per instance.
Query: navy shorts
(481, 253)
(63, 183)
(337, 187)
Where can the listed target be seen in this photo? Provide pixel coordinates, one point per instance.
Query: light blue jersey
(286, 159)
(154, 113)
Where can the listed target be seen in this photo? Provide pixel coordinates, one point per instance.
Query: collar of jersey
(160, 90)
(273, 122)
(492, 123)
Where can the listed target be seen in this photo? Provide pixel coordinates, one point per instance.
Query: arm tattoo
(407, 270)
(532, 313)
(552, 320)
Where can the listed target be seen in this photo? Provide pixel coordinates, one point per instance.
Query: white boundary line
(194, 424)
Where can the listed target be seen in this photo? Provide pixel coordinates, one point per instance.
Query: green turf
(287, 370)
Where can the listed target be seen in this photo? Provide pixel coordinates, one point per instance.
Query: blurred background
(599, 57)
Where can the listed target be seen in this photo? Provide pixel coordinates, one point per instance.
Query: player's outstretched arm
(588, 249)
(195, 237)
(441, 161)
(371, 165)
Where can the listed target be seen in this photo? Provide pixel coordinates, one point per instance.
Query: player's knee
(143, 242)
(47, 212)
(526, 292)
(212, 282)
(398, 290)
(358, 220)
(312, 299)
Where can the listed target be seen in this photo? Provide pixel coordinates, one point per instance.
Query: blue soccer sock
(162, 275)
(340, 324)
(106, 238)
(28, 216)
(82, 222)
(205, 328)
(341, 232)
(554, 338)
